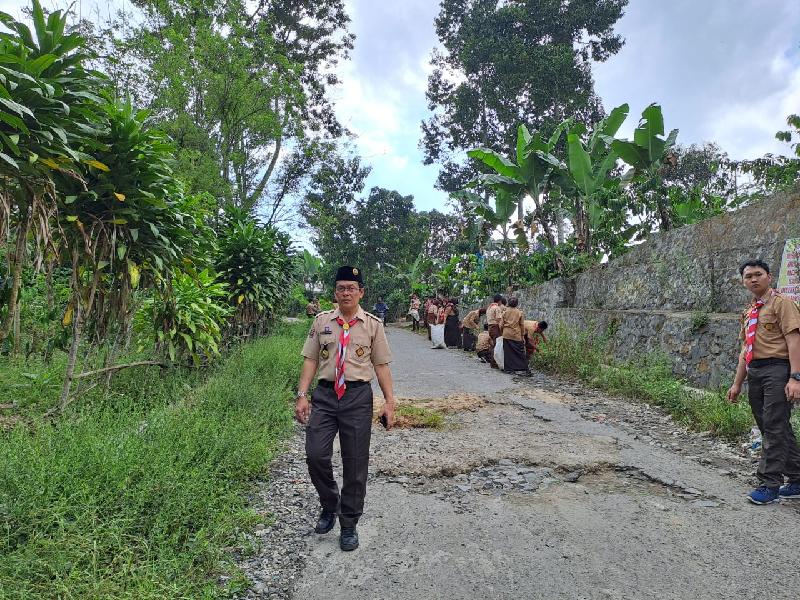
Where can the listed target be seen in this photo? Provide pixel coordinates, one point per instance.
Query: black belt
(350, 384)
(766, 362)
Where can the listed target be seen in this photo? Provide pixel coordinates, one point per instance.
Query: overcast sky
(726, 71)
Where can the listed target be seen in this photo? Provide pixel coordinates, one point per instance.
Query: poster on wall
(789, 276)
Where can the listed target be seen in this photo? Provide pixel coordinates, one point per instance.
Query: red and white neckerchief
(752, 325)
(344, 339)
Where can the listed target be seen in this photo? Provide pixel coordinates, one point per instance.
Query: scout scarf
(341, 355)
(750, 336)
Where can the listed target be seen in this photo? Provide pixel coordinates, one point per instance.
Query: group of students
(504, 320)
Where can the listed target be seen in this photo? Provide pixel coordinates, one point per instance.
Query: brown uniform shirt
(530, 328)
(777, 317)
(512, 324)
(484, 342)
(367, 346)
(494, 313)
(472, 320)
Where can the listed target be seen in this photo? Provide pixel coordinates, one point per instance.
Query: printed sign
(789, 276)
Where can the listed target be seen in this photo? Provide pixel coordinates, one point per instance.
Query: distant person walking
(770, 360)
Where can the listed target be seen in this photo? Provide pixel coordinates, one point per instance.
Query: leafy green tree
(47, 117)
(505, 63)
(237, 85)
(256, 264)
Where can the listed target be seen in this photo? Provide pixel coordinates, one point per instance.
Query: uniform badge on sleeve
(324, 354)
(312, 333)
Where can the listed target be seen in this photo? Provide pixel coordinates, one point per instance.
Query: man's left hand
(388, 412)
(792, 390)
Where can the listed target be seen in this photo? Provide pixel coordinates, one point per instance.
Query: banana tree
(585, 180)
(648, 155)
(47, 116)
(528, 176)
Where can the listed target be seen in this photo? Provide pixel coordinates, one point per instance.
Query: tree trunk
(664, 211)
(17, 260)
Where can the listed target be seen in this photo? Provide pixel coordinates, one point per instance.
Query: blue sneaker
(790, 491)
(763, 495)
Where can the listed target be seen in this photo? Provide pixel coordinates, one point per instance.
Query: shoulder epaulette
(369, 314)
(326, 312)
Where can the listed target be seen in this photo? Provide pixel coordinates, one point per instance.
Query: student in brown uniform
(512, 325)
(493, 316)
(470, 326)
(484, 346)
(534, 333)
(770, 360)
(344, 346)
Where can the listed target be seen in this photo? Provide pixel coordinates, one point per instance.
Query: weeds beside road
(648, 378)
(140, 497)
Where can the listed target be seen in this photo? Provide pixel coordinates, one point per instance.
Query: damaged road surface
(522, 495)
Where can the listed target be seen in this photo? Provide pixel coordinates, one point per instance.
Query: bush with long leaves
(257, 265)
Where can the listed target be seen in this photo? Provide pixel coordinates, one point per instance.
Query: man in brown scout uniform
(344, 346)
(770, 359)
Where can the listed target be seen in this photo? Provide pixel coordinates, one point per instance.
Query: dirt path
(547, 491)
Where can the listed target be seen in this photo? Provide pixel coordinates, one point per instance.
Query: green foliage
(141, 498)
(188, 316)
(258, 269)
(791, 136)
(648, 378)
(502, 64)
(239, 87)
(700, 318)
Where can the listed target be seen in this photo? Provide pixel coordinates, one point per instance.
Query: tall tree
(238, 85)
(511, 62)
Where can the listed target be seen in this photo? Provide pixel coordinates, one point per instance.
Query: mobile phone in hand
(384, 421)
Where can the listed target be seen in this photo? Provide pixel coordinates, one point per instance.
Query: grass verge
(648, 378)
(139, 497)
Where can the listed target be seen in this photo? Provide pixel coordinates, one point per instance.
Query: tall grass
(138, 498)
(649, 378)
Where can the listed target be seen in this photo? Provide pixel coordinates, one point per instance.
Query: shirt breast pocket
(361, 353)
(770, 327)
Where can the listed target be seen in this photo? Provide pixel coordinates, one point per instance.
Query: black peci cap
(349, 274)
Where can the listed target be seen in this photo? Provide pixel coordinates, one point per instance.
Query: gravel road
(548, 490)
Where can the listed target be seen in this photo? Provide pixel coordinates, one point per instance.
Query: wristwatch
(795, 376)
(300, 394)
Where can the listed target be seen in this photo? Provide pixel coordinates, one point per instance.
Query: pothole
(429, 412)
(507, 477)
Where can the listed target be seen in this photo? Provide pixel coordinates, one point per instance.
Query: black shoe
(326, 522)
(348, 540)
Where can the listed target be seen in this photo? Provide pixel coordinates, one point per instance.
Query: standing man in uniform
(344, 346)
(770, 359)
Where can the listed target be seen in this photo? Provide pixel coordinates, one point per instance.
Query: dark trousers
(779, 452)
(351, 417)
(487, 355)
(468, 339)
(494, 333)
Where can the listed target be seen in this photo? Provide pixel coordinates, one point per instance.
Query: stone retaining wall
(657, 296)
